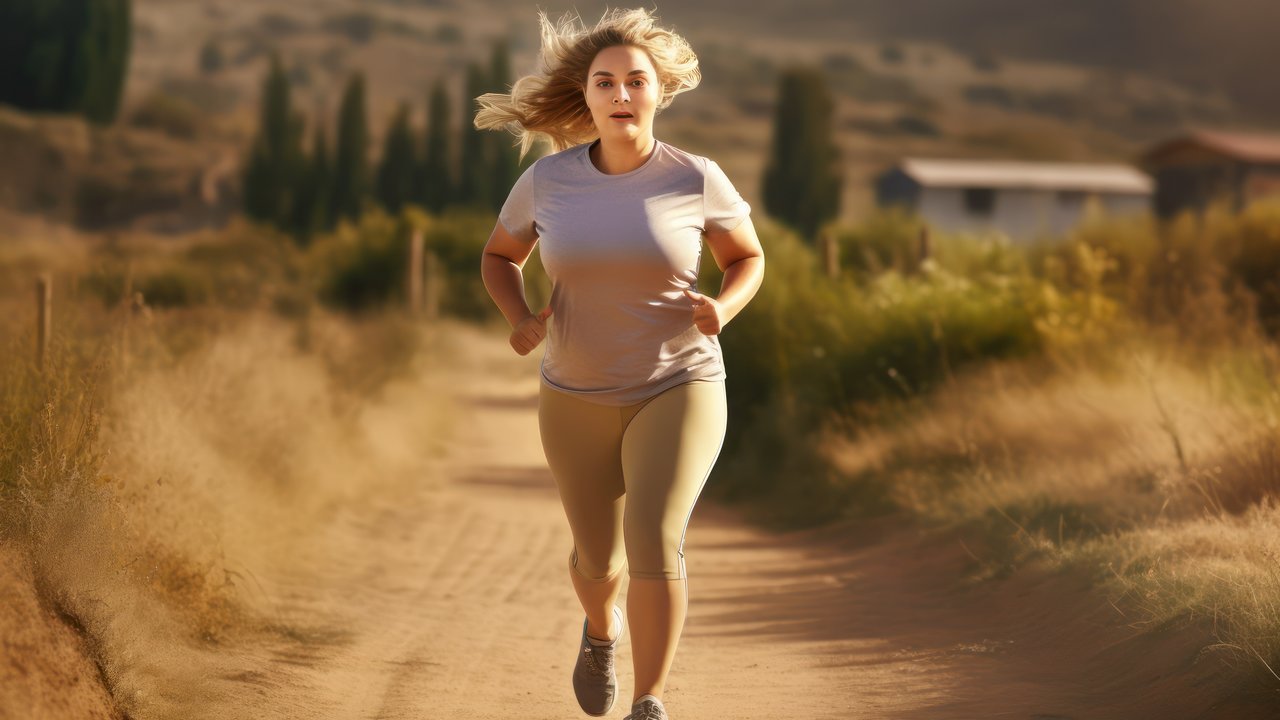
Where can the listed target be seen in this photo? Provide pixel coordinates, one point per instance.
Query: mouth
(622, 116)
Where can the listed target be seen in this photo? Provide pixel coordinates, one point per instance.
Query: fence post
(44, 317)
(415, 273)
(831, 254)
(433, 286)
(925, 246)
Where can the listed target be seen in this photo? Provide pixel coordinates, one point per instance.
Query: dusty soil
(449, 598)
(45, 670)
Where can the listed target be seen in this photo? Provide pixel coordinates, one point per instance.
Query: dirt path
(449, 599)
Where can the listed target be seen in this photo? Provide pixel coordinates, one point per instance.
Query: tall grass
(153, 471)
(1108, 401)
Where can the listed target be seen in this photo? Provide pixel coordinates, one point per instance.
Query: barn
(1192, 171)
(1024, 200)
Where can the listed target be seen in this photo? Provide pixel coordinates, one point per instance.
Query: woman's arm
(738, 253)
(500, 269)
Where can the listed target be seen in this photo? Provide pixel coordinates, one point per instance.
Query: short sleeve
(517, 213)
(723, 208)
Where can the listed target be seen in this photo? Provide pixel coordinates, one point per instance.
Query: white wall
(1021, 214)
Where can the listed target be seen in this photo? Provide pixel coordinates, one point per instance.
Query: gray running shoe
(647, 708)
(594, 680)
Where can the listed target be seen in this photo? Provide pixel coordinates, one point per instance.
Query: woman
(632, 399)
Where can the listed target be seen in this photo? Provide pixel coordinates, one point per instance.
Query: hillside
(981, 78)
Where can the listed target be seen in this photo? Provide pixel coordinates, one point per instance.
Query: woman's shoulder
(680, 156)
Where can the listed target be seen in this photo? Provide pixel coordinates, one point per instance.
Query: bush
(173, 287)
(1252, 247)
(358, 27)
(364, 266)
(809, 350)
(361, 267)
(211, 58)
(170, 115)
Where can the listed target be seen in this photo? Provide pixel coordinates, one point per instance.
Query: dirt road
(451, 600)
(447, 597)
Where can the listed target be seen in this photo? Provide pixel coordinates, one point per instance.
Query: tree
(311, 202)
(504, 155)
(350, 166)
(803, 177)
(395, 174)
(276, 160)
(474, 163)
(211, 58)
(65, 55)
(434, 186)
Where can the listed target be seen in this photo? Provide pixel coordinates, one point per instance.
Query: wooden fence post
(415, 274)
(831, 254)
(433, 289)
(925, 246)
(44, 317)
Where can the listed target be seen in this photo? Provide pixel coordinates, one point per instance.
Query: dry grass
(1159, 474)
(155, 495)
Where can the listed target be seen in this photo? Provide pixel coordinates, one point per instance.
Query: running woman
(631, 404)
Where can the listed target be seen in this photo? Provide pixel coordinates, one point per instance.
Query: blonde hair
(550, 103)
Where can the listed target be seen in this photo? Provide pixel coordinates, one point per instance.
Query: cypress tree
(435, 179)
(350, 164)
(395, 174)
(803, 176)
(276, 158)
(474, 163)
(107, 56)
(323, 216)
(64, 55)
(310, 202)
(504, 155)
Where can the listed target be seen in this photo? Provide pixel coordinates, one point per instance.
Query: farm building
(1024, 200)
(1194, 170)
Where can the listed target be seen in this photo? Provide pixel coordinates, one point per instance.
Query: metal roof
(1034, 175)
(1249, 147)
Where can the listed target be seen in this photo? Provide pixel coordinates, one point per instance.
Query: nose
(621, 95)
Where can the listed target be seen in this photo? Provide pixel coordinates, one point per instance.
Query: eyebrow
(606, 72)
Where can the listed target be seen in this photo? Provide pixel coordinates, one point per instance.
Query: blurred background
(1023, 284)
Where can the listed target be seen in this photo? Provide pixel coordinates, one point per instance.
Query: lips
(621, 115)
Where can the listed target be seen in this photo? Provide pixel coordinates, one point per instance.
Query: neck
(614, 156)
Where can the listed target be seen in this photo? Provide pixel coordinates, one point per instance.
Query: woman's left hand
(707, 313)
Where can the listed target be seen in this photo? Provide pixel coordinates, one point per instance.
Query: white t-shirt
(620, 250)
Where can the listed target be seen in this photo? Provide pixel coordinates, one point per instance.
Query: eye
(641, 82)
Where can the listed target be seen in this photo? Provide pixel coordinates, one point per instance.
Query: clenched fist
(530, 331)
(707, 313)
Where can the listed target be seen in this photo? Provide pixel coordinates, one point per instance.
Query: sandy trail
(450, 599)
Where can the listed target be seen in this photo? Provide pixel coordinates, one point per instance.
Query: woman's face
(622, 79)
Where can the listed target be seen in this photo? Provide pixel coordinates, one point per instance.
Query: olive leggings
(629, 476)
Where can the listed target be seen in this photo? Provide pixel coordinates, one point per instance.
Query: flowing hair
(550, 103)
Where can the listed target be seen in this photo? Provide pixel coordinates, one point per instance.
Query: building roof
(1020, 174)
(1247, 147)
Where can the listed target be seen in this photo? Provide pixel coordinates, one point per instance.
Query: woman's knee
(655, 551)
(603, 568)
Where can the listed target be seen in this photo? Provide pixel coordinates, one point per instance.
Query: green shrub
(362, 267)
(173, 287)
(1252, 247)
(825, 346)
(359, 27)
(170, 115)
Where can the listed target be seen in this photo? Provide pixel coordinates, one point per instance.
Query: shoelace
(599, 663)
(647, 710)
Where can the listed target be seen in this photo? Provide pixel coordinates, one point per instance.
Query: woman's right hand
(530, 331)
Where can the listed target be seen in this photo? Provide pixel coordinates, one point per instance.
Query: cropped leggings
(629, 476)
